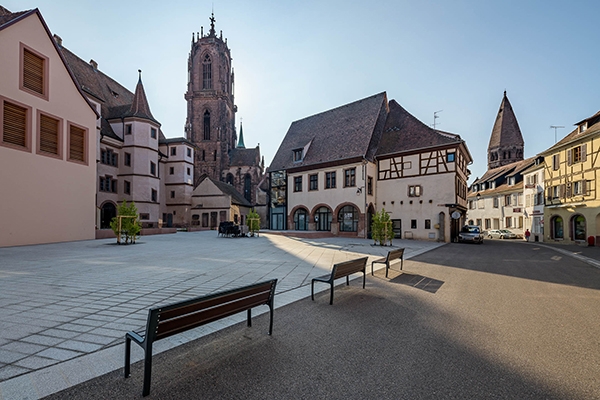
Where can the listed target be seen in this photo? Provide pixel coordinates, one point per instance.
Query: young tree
(382, 230)
(126, 223)
(253, 222)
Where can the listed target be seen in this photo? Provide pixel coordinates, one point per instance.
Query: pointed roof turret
(241, 144)
(506, 142)
(139, 107)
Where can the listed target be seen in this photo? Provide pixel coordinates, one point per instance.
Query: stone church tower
(506, 143)
(210, 123)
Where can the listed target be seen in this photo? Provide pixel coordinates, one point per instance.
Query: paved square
(70, 304)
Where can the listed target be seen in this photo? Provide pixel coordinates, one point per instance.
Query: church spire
(506, 142)
(241, 144)
(140, 107)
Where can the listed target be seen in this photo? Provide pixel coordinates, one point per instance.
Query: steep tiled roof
(243, 157)
(404, 132)
(345, 132)
(506, 131)
(7, 16)
(506, 170)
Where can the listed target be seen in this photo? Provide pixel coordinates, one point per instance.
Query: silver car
(501, 234)
(470, 233)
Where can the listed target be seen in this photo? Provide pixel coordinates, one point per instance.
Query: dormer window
(583, 127)
(298, 155)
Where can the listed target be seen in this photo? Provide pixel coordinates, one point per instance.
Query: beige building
(214, 202)
(47, 139)
(572, 212)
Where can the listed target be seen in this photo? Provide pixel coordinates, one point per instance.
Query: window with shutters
(34, 72)
(15, 123)
(577, 154)
(49, 135)
(77, 144)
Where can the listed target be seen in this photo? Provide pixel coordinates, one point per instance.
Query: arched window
(229, 179)
(206, 72)
(556, 224)
(206, 125)
(301, 220)
(323, 219)
(248, 187)
(348, 219)
(578, 222)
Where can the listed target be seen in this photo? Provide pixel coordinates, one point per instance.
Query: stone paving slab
(71, 303)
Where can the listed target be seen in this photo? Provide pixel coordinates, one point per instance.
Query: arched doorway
(323, 219)
(579, 227)
(348, 219)
(107, 213)
(301, 220)
(557, 228)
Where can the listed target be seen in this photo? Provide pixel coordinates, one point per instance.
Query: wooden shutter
(33, 72)
(14, 125)
(570, 156)
(48, 134)
(584, 152)
(76, 144)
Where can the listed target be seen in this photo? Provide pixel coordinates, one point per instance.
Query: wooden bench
(344, 269)
(179, 317)
(392, 255)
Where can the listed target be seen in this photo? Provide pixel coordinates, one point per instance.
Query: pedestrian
(527, 234)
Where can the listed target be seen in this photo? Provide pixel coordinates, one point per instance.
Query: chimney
(94, 64)
(58, 40)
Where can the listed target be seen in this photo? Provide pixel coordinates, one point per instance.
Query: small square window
(189, 152)
(451, 157)
(297, 183)
(330, 180)
(414, 191)
(189, 171)
(172, 194)
(154, 195)
(173, 151)
(128, 129)
(171, 170)
(350, 177)
(153, 133)
(427, 224)
(127, 187)
(413, 224)
(127, 160)
(152, 168)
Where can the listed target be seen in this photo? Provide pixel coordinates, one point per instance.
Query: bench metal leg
(364, 278)
(147, 370)
(127, 356)
(249, 317)
(347, 280)
(312, 290)
(271, 322)
(401, 263)
(331, 296)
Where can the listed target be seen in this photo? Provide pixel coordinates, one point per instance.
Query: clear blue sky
(294, 59)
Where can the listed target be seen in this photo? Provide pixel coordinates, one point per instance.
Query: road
(502, 320)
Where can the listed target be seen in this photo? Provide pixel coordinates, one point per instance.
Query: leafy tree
(382, 230)
(253, 222)
(130, 225)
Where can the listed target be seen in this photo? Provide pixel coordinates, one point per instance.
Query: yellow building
(572, 212)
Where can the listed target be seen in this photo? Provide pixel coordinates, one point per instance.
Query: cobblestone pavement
(67, 306)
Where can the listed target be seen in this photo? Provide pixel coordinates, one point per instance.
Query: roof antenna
(435, 116)
(555, 127)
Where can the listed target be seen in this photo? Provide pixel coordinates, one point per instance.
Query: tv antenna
(555, 127)
(435, 116)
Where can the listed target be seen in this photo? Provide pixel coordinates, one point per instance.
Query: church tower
(210, 123)
(506, 143)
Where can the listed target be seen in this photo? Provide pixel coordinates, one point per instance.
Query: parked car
(500, 234)
(470, 233)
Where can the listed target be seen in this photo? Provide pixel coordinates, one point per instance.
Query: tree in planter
(126, 223)
(253, 222)
(382, 230)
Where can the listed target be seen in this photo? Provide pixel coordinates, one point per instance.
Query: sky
(294, 59)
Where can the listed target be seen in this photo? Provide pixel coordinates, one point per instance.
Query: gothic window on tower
(206, 73)
(206, 125)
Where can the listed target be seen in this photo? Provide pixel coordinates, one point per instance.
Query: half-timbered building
(335, 169)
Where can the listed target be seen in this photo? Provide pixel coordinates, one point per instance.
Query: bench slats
(392, 255)
(173, 326)
(191, 306)
(348, 268)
